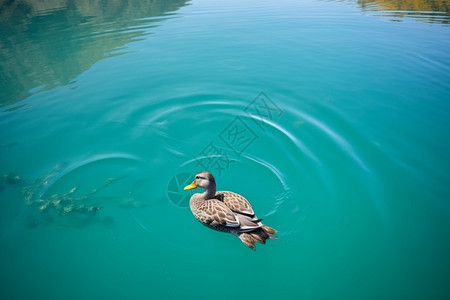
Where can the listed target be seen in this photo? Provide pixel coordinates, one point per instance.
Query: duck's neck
(210, 192)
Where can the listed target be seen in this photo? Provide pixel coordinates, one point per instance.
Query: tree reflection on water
(44, 44)
(432, 11)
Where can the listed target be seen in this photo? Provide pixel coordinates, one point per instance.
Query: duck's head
(204, 180)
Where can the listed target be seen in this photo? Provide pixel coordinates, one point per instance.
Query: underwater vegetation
(69, 208)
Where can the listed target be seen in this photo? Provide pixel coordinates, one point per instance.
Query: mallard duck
(227, 211)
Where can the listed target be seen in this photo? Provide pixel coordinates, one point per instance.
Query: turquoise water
(331, 117)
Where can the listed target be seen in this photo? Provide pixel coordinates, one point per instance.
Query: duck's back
(235, 202)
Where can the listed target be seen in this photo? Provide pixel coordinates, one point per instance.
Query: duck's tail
(260, 235)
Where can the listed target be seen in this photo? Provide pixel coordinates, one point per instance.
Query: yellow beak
(191, 186)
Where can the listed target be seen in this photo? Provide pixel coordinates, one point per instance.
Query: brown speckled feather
(236, 202)
(214, 213)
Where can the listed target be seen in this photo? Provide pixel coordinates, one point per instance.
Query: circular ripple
(296, 165)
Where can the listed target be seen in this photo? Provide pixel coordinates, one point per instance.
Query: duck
(227, 211)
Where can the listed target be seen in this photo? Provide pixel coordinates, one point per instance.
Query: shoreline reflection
(430, 11)
(45, 44)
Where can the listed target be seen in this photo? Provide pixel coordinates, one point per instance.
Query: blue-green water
(332, 118)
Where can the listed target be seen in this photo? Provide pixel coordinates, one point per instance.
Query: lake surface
(331, 117)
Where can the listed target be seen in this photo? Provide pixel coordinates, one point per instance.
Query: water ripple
(301, 147)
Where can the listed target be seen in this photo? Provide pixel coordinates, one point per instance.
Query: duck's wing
(215, 213)
(236, 203)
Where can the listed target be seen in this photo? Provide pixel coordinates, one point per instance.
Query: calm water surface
(331, 117)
